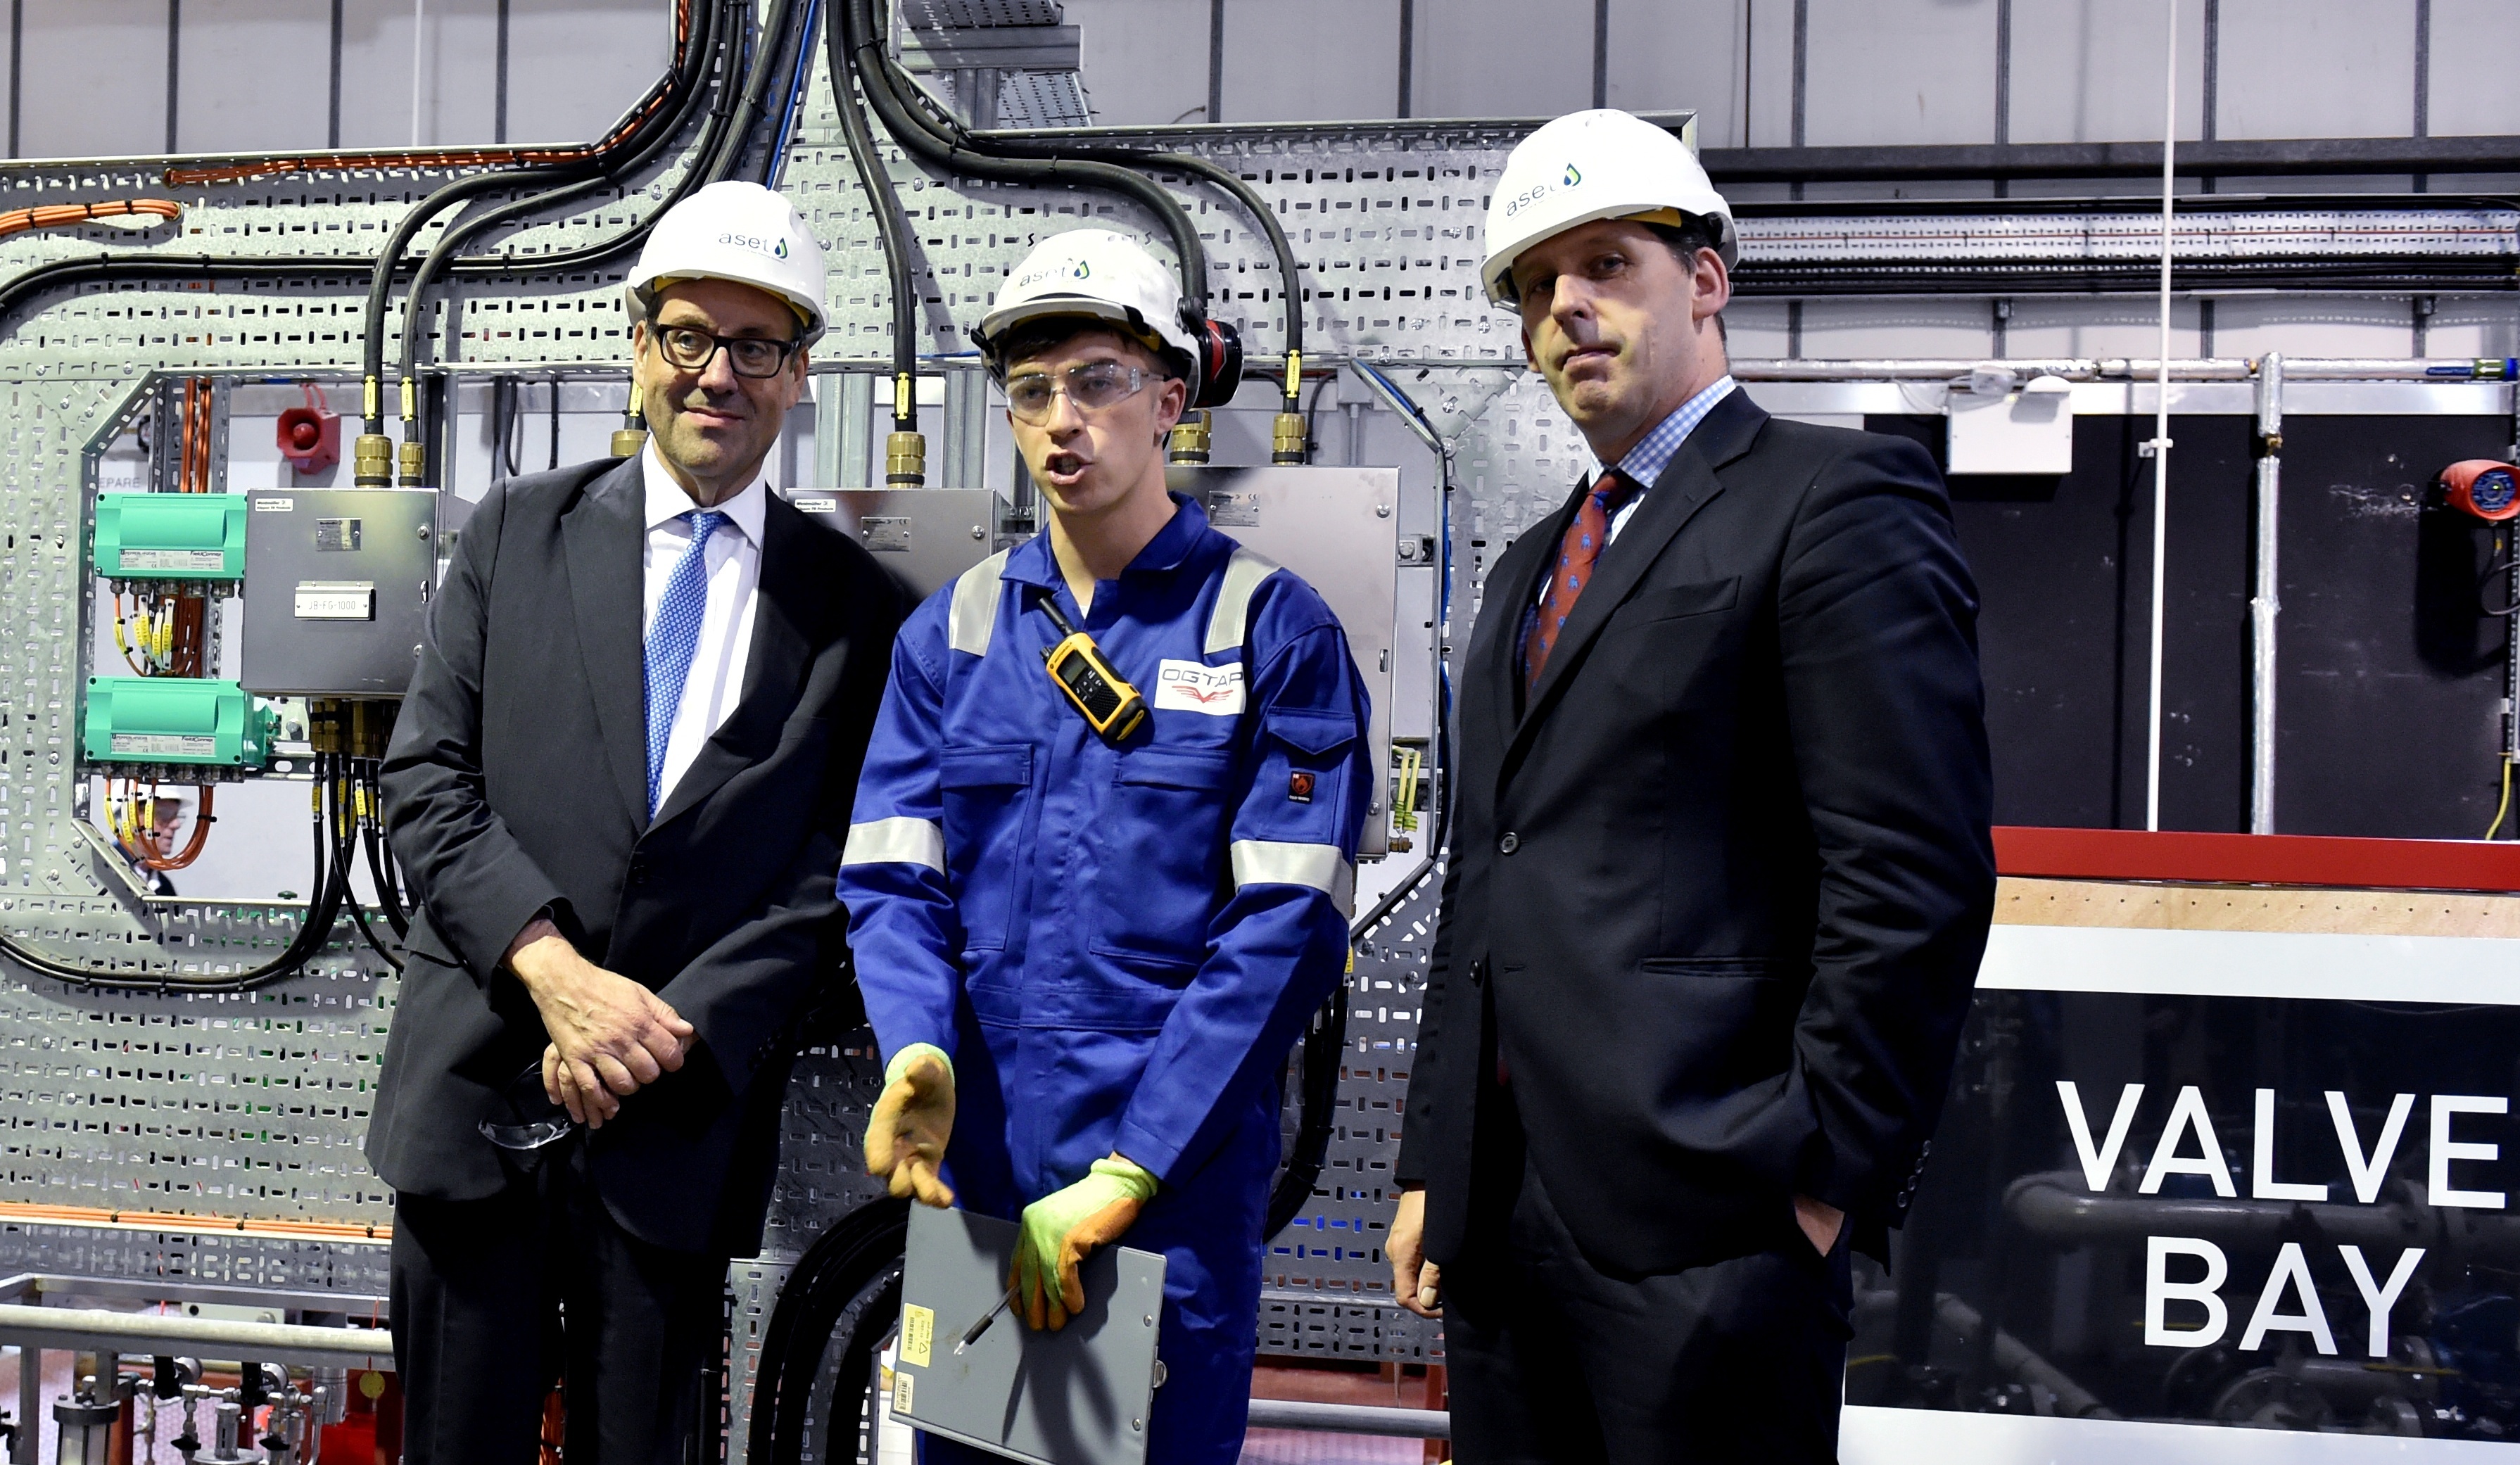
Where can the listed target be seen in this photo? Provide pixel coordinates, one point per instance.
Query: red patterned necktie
(1585, 540)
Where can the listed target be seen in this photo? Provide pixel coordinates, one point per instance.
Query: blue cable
(796, 94)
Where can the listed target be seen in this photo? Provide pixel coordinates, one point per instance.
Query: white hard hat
(735, 231)
(1587, 165)
(1093, 272)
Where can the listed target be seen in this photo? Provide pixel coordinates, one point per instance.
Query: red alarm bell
(2482, 487)
(310, 437)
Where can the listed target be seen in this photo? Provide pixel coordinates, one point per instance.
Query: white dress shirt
(733, 564)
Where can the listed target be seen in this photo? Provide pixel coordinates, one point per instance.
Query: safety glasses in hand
(527, 1120)
(753, 356)
(1093, 387)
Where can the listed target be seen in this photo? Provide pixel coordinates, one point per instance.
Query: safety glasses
(527, 1120)
(752, 356)
(1093, 387)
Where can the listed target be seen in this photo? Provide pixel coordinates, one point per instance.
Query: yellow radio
(1110, 706)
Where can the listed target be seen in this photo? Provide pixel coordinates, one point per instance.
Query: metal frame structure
(251, 1107)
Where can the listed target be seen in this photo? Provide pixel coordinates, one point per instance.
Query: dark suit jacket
(516, 784)
(1719, 892)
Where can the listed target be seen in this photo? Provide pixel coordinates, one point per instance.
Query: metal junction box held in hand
(337, 589)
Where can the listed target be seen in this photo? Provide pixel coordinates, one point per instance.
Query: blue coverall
(1118, 947)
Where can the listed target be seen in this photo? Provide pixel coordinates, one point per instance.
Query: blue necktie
(672, 640)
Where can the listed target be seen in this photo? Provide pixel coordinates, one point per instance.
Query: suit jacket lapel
(1687, 484)
(771, 668)
(601, 534)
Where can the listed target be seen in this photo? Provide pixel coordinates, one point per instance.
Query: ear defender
(1218, 373)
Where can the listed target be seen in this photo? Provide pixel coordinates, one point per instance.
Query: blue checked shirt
(1644, 463)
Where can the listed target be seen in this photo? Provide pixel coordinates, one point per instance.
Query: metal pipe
(2159, 446)
(2257, 158)
(84, 1327)
(2265, 602)
(1351, 1419)
(2054, 1205)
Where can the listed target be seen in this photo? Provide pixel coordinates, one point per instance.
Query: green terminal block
(190, 537)
(177, 721)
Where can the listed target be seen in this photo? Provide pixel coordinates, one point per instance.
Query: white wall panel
(1669, 56)
(1145, 61)
(456, 79)
(2314, 325)
(2089, 71)
(95, 79)
(1502, 58)
(2118, 326)
(2319, 68)
(2471, 326)
(1289, 61)
(1893, 71)
(1896, 328)
(254, 77)
(576, 66)
(2474, 43)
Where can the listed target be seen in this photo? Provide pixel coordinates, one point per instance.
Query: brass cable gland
(414, 458)
(627, 441)
(1286, 438)
(1190, 438)
(905, 459)
(372, 461)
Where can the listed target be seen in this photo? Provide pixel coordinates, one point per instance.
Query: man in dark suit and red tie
(1720, 872)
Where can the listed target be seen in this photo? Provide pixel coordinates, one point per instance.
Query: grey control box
(924, 536)
(336, 585)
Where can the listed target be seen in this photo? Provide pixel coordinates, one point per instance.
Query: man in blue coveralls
(1100, 945)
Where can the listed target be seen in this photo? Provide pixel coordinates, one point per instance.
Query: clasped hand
(609, 1036)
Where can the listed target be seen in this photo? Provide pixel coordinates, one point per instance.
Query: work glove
(1061, 1228)
(905, 1140)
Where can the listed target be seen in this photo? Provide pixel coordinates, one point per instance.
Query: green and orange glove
(1062, 1228)
(914, 1118)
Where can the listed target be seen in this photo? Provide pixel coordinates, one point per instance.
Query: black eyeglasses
(752, 356)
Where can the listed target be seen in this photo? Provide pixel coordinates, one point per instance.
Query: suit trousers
(495, 1299)
(1742, 1359)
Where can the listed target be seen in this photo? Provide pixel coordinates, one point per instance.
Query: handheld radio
(1110, 706)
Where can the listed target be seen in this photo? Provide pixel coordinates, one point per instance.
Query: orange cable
(177, 1220)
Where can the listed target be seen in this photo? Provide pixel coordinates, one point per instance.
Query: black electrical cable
(640, 141)
(1290, 270)
(643, 146)
(763, 70)
(885, 202)
(854, 1254)
(923, 135)
(323, 909)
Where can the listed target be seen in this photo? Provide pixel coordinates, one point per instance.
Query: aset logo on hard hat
(776, 248)
(1084, 270)
(1573, 177)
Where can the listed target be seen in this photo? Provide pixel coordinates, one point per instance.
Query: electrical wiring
(885, 202)
(315, 928)
(680, 88)
(2502, 810)
(67, 215)
(886, 88)
(777, 160)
